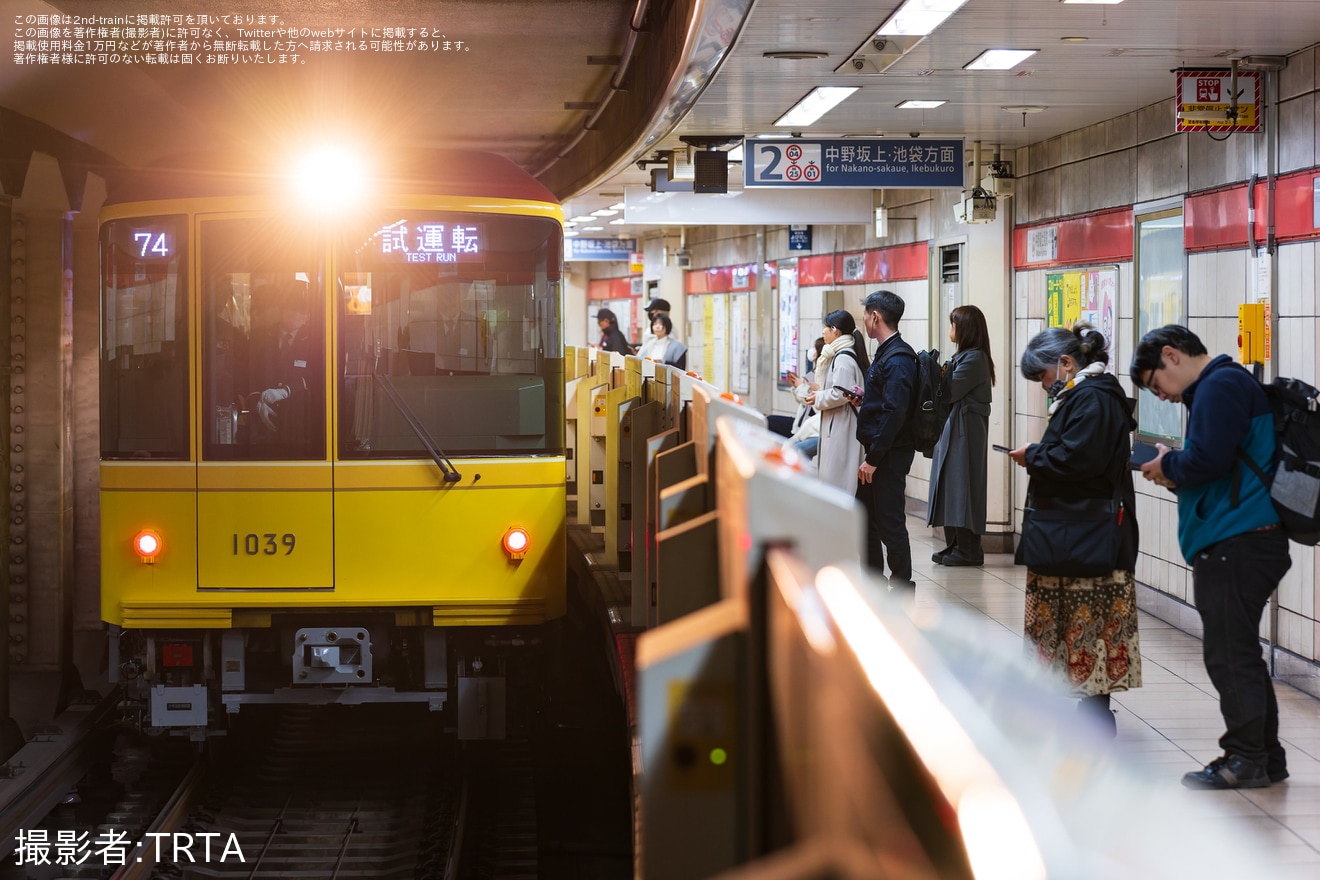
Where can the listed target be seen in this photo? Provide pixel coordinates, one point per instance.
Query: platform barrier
(807, 724)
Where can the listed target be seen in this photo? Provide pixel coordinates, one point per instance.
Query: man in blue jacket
(885, 432)
(1230, 534)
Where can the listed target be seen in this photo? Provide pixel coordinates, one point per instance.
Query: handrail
(441, 460)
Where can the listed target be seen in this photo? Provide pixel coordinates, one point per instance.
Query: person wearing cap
(657, 306)
(611, 337)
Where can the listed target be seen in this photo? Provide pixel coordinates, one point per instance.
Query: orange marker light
(516, 542)
(148, 545)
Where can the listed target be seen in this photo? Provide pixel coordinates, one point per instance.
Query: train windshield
(263, 341)
(144, 339)
(449, 324)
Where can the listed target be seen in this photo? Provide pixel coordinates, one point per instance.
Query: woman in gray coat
(958, 465)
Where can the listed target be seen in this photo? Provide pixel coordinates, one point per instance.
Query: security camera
(858, 64)
(914, 134)
(879, 44)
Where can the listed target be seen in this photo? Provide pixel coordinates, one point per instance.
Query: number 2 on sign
(266, 544)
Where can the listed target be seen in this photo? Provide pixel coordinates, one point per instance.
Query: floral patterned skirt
(1086, 628)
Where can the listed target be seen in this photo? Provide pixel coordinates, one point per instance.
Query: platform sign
(600, 248)
(873, 163)
(799, 238)
(1205, 95)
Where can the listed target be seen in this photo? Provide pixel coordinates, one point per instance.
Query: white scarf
(1094, 369)
(828, 351)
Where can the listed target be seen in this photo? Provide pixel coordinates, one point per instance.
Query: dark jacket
(612, 339)
(1086, 446)
(883, 422)
(1226, 411)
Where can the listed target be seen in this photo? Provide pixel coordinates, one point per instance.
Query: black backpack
(930, 403)
(1295, 486)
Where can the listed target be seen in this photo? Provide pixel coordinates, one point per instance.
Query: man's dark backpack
(1295, 486)
(930, 403)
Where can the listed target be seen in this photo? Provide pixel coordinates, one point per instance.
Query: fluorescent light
(583, 218)
(920, 105)
(593, 228)
(734, 155)
(604, 212)
(617, 206)
(618, 222)
(917, 18)
(816, 104)
(999, 59)
(774, 135)
(569, 233)
(1108, 2)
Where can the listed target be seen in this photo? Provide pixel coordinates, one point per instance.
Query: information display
(405, 241)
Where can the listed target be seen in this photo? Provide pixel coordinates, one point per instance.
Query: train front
(332, 439)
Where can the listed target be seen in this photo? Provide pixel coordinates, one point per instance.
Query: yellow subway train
(332, 436)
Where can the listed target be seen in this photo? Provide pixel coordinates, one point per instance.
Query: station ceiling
(524, 77)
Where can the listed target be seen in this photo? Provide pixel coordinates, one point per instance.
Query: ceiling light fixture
(999, 59)
(1094, 2)
(617, 206)
(604, 212)
(1074, 39)
(917, 18)
(815, 104)
(583, 218)
(618, 222)
(795, 55)
(916, 104)
(593, 228)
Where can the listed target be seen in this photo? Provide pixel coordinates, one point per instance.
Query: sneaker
(1228, 771)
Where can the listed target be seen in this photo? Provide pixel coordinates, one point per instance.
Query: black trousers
(966, 541)
(886, 523)
(1232, 582)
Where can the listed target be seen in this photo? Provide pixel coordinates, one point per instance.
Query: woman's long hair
(843, 321)
(970, 332)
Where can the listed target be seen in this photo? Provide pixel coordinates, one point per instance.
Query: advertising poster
(788, 320)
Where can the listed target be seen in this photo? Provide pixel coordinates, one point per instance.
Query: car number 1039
(267, 544)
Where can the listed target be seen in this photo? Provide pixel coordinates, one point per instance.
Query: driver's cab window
(263, 343)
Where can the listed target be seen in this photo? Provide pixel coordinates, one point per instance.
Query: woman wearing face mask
(1085, 627)
(840, 364)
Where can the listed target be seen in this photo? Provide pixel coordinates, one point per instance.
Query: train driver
(286, 367)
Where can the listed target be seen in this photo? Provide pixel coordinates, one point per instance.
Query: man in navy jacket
(1230, 534)
(885, 432)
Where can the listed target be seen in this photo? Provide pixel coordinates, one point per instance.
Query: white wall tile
(1289, 273)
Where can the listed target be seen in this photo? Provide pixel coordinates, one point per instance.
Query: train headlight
(516, 542)
(147, 544)
(327, 179)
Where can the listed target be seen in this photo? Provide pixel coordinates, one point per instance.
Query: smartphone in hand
(853, 396)
(997, 448)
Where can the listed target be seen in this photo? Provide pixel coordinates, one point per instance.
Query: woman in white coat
(839, 364)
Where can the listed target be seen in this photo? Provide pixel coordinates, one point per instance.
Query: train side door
(264, 499)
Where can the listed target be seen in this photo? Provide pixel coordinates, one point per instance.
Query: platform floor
(1171, 724)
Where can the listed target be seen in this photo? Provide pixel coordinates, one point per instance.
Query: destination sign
(888, 163)
(429, 242)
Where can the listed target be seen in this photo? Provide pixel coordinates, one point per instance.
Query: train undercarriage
(185, 682)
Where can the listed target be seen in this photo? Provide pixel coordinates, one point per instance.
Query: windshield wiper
(441, 460)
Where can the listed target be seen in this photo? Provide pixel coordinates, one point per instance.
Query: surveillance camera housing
(914, 134)
(858, 64)
(879, 44)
